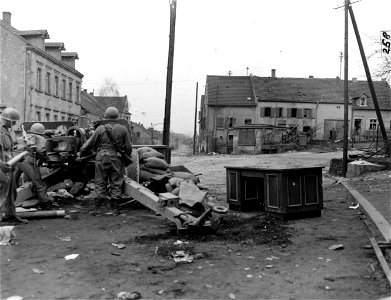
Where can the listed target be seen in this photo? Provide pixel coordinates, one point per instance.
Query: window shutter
(272, 112)
(312, 113)
(262, 112)
(300, 113)
(288, 112)
(246, 137)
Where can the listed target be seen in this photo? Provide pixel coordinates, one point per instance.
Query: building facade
(37, 78)
(310, 106)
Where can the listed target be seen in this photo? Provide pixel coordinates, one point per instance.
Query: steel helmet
(10, 114)
(37, 128)
(111, 113)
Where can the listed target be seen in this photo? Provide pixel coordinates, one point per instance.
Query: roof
(90, 104)
(55, 45)
(70, 54)
(244, 90)
(121, 103)
(42, 32)
(230, 90)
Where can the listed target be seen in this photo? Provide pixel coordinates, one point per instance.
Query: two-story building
(37, 77)
(236, 110)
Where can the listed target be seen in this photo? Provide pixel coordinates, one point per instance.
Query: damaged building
(251, 114)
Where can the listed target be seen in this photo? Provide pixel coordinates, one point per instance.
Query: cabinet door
(232, 186)
(294, 191)
(272, 191)
(311, 184)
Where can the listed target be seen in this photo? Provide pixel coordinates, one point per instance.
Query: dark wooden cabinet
(286, 191)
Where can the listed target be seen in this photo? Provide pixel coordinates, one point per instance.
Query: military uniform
(109, 168)
(7, 183)
(30, 166)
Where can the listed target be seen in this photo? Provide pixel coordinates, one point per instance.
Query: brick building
(37, 77)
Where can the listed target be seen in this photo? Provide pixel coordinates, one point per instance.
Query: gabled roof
(60, 46)
(90, 104)
(70, 54)
(121, 103)
(241, 90)
(42, 32)
(229, 90)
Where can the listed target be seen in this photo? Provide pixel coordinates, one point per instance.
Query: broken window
(372, 124)
(307, 113)
(246, 137)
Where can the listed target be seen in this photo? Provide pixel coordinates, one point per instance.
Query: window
(48, 79)
(268, 111)
(38, 113)
(47, 116)
(307, 113)
(246, 137)
(70, 91)
(55, 117)
(372, 124)
(138, 134)
(220, 123)
(77, 94)
(63, 118)
(231, 122)
(362, 101)
(64, 87)
(280, 111)
(39, 80)
(56, 86)
(248, 121)
(293, 113)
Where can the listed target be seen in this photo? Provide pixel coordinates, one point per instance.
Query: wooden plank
(150, 200)
(377, 218)
(382, 260)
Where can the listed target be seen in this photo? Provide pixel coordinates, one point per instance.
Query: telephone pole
(346, 94)
(170, 66)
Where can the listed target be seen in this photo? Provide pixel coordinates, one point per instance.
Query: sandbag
(185, 175)
(175, 181)
(146, 176)
(175, 191)
(156, 163)
(152, 153)
(144, 149)
(155, 171)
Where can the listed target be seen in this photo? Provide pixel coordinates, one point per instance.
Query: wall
(52, 106)
(12, 70)
(329, 112)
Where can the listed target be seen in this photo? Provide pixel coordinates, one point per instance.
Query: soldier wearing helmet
(109, 168)
(36, 143)
(7, 183)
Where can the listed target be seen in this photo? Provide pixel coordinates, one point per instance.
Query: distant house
(302, 105)
(93, 107)
(141, 135)
(37, 77)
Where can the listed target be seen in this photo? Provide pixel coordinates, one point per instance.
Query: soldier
(109, 167)
(7, 183)
(36, 143)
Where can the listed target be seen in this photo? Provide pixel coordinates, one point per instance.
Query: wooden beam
(373, 213)
(381, 259)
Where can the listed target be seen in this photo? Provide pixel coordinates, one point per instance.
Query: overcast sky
(127, 41)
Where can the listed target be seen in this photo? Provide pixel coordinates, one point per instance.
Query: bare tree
(109, 88)
(381, 62)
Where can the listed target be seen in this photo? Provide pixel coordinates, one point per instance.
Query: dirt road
(247, 256)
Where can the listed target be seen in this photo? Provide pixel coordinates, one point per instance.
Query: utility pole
(195, 121)
(340, 63)
(346, 94)
(370, 82)
(229, 73)
(170, 66)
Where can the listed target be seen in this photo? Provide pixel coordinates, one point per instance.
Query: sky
(127, 42)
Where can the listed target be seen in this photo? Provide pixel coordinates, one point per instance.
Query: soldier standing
(109, 167)
(7, 182)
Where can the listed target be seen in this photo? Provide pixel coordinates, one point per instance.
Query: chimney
(311, 76)
(7, 17)
(273, 73)
(354, 79)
